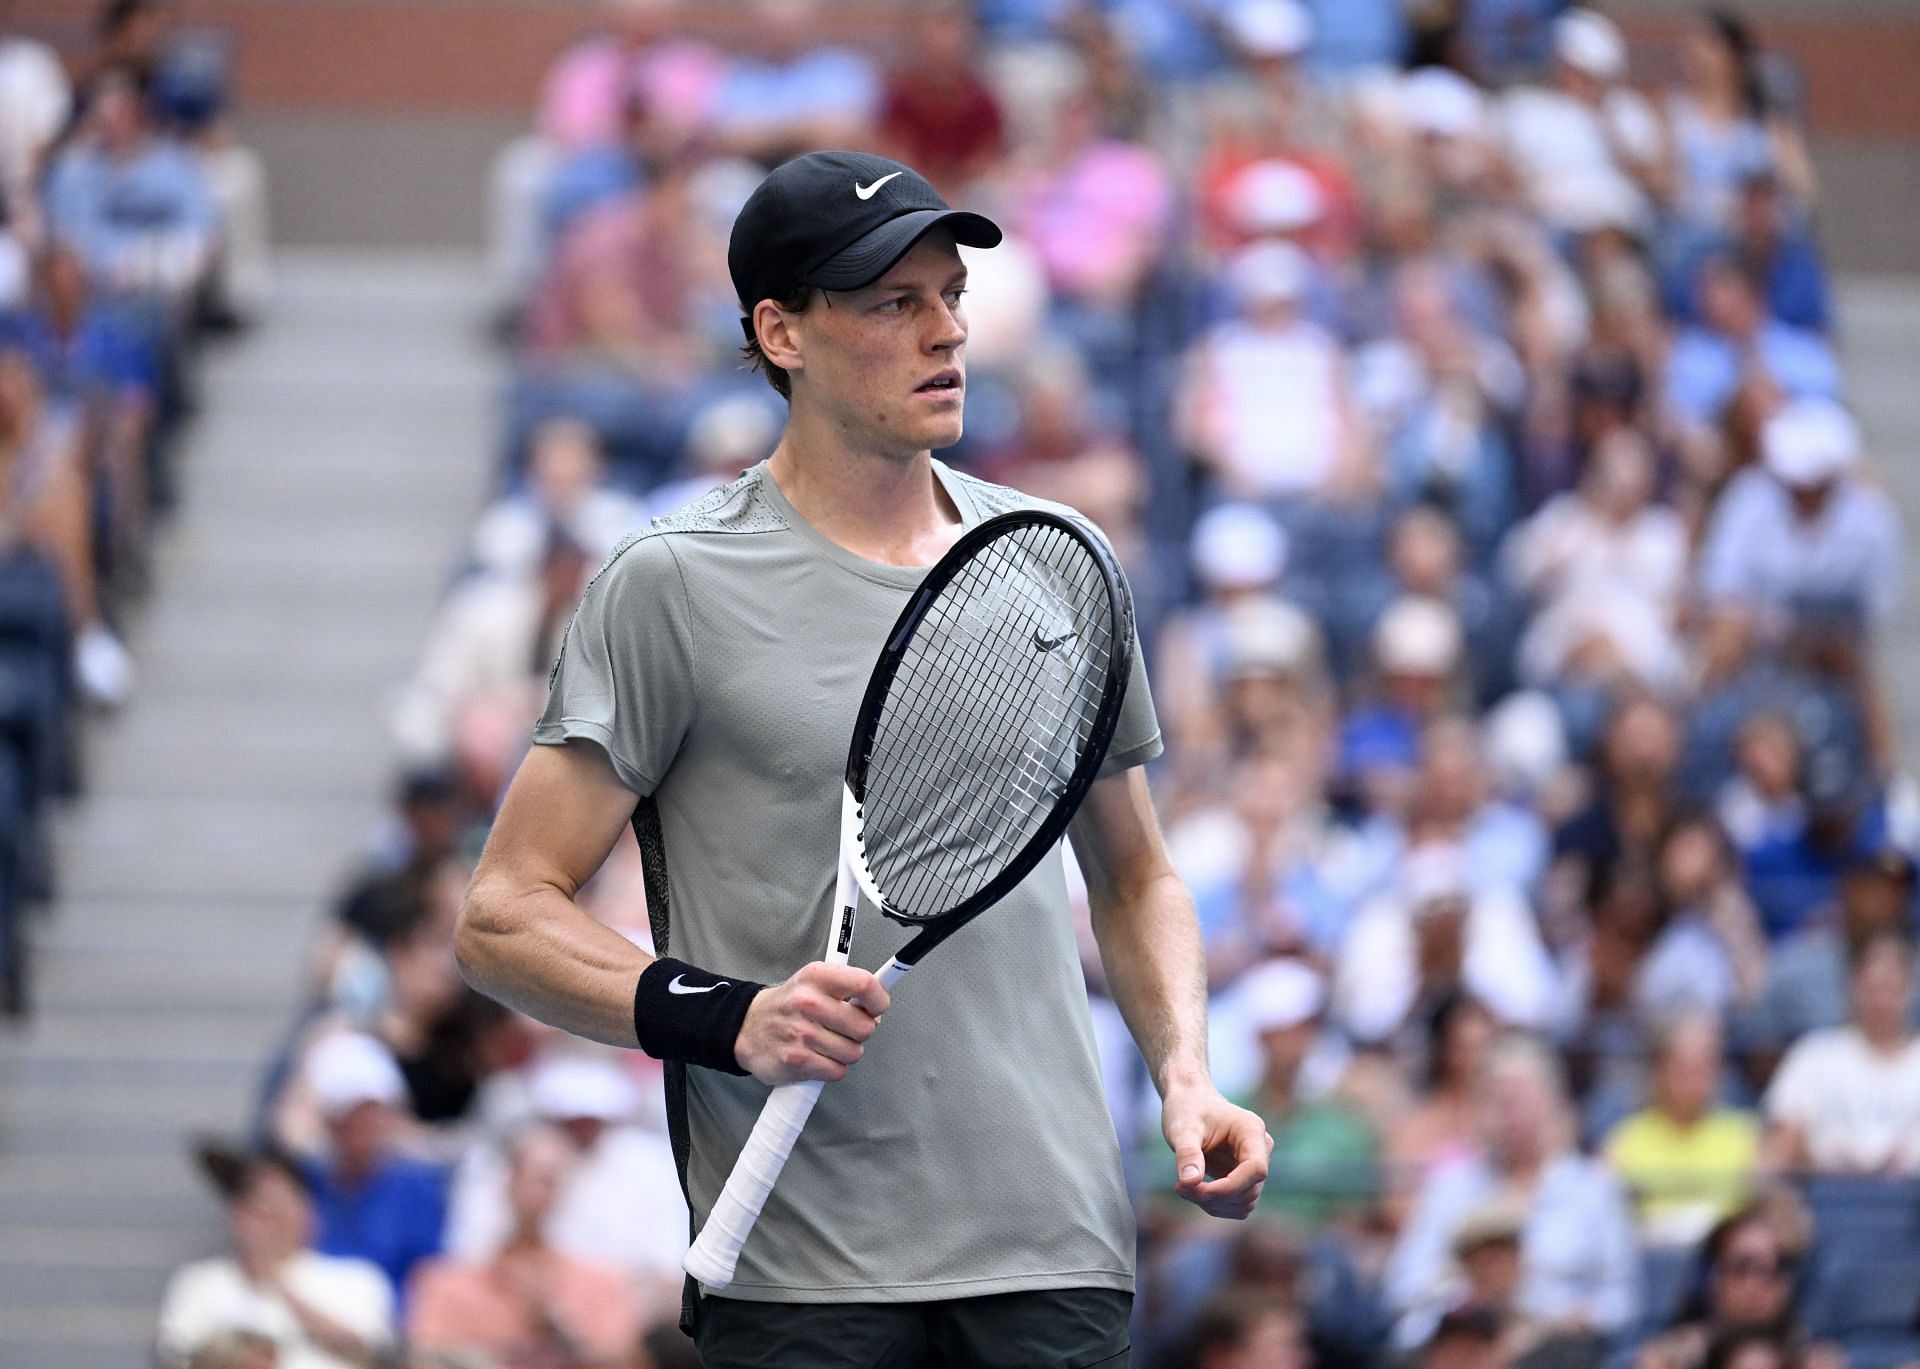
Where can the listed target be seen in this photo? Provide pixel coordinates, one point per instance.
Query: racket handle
(891, 973)
(717, 1249)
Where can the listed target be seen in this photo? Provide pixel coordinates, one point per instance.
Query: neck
(887, 508)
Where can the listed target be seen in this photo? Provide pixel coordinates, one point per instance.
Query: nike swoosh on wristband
(675, 986)
(865, 192)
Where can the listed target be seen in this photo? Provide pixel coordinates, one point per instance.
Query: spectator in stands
(46, 501)
(1096, 209)
(1633, 799)
(1239, 1329)
(530, 1303)
(1326, 1157)
(1804, 554)
(1505, 845)
(1736, 337)
(191, 92)
(566, 488)
(1268, 413)
(1748, 1282)
(1442, 1124)
(1604, 567)
(1766, 813)
(1846, 1100)
(1687, 1159)
(937, 113)
(619, 1168)
(36, 100)
(1727, 125)
(1467, 1337)
(1710, 953)
(1442, 393)
(1418, 655)
(133, 205)
(91, 361)
(1587, 147)
(1579, 1262)
(618, 333)
(1807, 987)
(374, 1203)
(1433, 933)
(1263, 864)
(489, 652)
(1771, 239)
(1239, 555)
(1426, 558)
(794, 93)
(312, 1310)
(1273, 687)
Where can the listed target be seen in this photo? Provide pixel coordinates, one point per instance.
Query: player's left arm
(1150, 946)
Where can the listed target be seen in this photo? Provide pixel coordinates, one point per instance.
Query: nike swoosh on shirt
(675, 986)
(865, 192)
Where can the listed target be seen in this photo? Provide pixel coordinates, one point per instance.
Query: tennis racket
(985, 722)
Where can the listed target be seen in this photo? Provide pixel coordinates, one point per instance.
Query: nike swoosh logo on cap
(676, 986)
(865, 192)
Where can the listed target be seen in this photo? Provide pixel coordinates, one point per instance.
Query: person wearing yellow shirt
(1687, 1161)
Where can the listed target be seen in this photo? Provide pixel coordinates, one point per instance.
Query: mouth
(949, 382)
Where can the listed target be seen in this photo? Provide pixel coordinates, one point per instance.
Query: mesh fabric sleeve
(624, 679)
(1136, 737)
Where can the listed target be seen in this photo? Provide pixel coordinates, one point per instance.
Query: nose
(947, 329)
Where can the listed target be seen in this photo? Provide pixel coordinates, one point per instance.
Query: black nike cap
(838, 220)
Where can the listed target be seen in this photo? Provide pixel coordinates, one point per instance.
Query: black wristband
(686, 1014)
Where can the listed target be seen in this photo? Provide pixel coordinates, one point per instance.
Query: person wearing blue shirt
(134, 206)
(371, 1202)
(1735, 332)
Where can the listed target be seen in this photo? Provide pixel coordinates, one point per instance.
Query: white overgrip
(717, 1250)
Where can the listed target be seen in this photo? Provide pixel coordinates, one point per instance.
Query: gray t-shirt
(719, 659)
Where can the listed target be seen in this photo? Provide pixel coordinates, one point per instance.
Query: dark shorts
(1061, 1328)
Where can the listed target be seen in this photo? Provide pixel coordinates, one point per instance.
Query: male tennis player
(957, 1198)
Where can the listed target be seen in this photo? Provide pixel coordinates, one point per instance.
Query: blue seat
(1857, 1296)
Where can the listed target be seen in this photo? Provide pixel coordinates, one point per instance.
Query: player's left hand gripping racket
(987, 717)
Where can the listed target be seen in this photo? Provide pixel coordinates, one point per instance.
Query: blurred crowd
(1459, 386)
(132, 227)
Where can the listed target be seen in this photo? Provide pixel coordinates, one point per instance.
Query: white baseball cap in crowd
(1238, 546)
(1434, 873)
(1417, 636)
(1809, 442)
(1275, 196)
(1526, 740)
(1270, 637)
(1271, 28)
(567, 1086)
(1281, 994)
(1442, 103)
(350, 1068)
(1268, 272)
(1591, 43)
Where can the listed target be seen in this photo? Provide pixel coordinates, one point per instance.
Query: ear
(778, 337)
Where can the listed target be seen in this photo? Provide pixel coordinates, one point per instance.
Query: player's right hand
(813, 1026)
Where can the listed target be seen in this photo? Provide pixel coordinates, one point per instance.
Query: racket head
(987, 716)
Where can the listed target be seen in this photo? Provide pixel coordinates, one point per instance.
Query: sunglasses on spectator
(1748, 1266)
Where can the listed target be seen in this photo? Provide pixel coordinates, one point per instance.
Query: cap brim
(869, 258)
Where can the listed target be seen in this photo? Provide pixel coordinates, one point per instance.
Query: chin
(945, 434)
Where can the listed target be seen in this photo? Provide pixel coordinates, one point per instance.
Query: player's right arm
(524, 940)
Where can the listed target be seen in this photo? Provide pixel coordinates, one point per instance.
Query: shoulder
(738, 508)
(342, 1274)
(990, 500)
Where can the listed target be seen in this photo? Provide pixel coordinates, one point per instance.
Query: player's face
(887, 363)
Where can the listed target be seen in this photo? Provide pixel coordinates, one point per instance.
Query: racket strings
(993, 704)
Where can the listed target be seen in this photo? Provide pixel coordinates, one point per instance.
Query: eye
(892, 306)
(953, 298)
